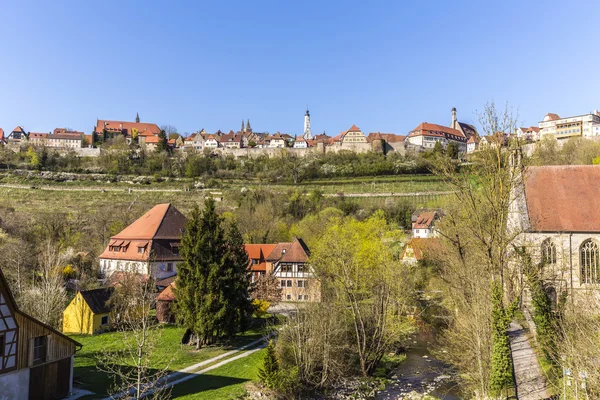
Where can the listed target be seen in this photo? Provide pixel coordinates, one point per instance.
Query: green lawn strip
(224, 382)
(168, 353)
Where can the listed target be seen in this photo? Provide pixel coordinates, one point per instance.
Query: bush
(260, 307)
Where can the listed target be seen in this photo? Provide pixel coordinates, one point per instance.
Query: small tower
(307, 133)
(248, 128)
(137, 117)
(242, 130)
(454, 121)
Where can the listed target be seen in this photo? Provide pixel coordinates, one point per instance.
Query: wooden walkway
(531, 383)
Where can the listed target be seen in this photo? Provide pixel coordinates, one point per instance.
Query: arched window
(589, 262)
(548, 252)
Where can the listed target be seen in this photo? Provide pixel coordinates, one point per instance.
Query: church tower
(137, 117)
(248, 128)
(242, 130)
(307, 133)
(454, 121)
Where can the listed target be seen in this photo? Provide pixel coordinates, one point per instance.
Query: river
(422, 373)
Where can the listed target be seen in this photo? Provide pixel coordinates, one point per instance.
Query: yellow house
(88, 312)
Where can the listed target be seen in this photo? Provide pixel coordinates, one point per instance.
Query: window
(104, 320)
(288, 297)
(141, 250)
(305, 297)
(169, 267)
(39, 349)
(283, 283)
(175, 250)
(289, 283)
(299, 297)
(2, 341)
(548, 252)
(302, 284)
(589, 262)
(300, 267)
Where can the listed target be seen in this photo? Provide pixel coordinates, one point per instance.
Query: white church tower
(307, 135)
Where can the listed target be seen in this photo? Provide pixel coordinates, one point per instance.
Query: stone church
(557, 209)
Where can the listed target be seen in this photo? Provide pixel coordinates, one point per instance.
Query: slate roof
(563, 198)
(97, 299)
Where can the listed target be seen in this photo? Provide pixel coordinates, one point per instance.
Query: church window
(589, 262)
(548, 252)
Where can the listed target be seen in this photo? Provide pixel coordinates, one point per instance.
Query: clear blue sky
(382, 65)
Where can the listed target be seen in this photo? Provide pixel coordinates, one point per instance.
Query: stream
(421, 373)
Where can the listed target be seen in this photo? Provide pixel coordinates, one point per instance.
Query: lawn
(168, 353)
(225, 382)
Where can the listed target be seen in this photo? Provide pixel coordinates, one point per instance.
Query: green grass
(169, 353)
(225, 382)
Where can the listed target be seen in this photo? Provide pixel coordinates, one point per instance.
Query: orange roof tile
(354, 128)
(420, 247)
(162, 221)
(167, 294)
(126, 126)
(563, 198)
(296, 251)
(425, 219)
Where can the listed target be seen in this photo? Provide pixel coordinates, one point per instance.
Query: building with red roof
(149, 246)
(585, 125)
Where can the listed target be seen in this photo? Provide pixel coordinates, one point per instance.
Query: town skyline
(267, 64)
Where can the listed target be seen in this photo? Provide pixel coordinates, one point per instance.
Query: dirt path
(531, 383)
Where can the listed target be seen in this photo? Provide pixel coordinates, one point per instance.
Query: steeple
(454, 121)
(307, 133)
(248, 128)
(242, 130)
(137, 117)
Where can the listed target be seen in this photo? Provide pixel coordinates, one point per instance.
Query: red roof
(428, 129)
(296, 251)
(257, 253)
(127, 127)
(162, 221)
(420, 247)
(18, 129)
(473, 139)
(151, 139)
(354, 128)
(167, 294)
(37, 135)
(388, 137)
(563, 198)
(1, 134)
(552, 116)
(425, 219)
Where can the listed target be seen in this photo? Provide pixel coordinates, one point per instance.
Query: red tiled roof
(424, 220)
(354, 128)
(37, 135)
(1, 134)
(552, 116)
(473, 139)
(167, 294)
(142, 127)
(563, 198)
(18, 129)
(151, 139)
(388, 137)
(297, 251)
(162, 221)
(420, 246)
(428, 129)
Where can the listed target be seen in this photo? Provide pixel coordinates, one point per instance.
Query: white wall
(15, 385)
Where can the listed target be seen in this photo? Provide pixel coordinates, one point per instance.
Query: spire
(248, 125)
(307, 134)
(137, 117)
(242, 130)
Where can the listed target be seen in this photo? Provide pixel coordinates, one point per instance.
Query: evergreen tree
(501, 377)
(212, 284)
(267, 373)
(163, 143)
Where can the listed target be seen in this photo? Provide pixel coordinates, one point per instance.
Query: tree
(163, 142)
(267, 373)
(361, 279)
(438, 148)
(169, 130)
(213, 280)
(135, 374)
(452, 150)
(267, 288)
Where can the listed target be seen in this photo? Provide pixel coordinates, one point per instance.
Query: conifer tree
(267, 373)
(212, 284)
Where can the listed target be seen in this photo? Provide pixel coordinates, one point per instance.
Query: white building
(277, 141)
(563, 128)
(423, 224)
(307, 132)
(300, 143)
(148, 246)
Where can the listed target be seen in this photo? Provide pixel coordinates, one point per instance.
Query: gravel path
(531, 383)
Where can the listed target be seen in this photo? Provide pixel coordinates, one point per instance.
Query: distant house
(88, 312)
(2, 137)
(353, 135)
(425, 136)
(300, 143)
(423, 224)
(164, 305)
(38, 139)
(277, 141)
(230, 140)
(257, 253)
(473, 144)
(36, 361)
(418, 248)
(149, 246)
(16, 136)
(211, 142)
(107, 128)
(289, 264)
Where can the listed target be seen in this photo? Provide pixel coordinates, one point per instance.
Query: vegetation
(213, 280)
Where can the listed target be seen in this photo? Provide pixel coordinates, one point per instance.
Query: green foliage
(163, 143)
(438, 148)
(452, 150)
(260, 307)
(267, 373)
(502, 370)
(212, 286)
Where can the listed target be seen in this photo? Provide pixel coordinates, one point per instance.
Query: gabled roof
(163, 221)
(259, 251)
(167, 294)
(425, 220)
(19, 130)
(354, 128)
(428, 129)
(296, 251)
(551, 117)
(473, 139)
(420, 247)
(467, 129)
(97, 299)
(563, 198)
(117, 126)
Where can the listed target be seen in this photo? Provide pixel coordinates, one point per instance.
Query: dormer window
(141, 250)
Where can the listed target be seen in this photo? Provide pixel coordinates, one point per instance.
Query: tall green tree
(163, 142)
(212, 284)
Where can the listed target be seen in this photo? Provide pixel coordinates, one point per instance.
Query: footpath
(530, 381)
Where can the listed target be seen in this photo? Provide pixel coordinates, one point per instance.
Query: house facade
(564, 128)
(88, 313)
(257, 254)
(423, 224)
(289, 264)
(425, 136)
(36, 361)
(149, 246)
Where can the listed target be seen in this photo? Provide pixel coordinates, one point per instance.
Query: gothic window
(548, 252)
(589, 262)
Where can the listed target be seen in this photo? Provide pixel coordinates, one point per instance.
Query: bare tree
(132, 368)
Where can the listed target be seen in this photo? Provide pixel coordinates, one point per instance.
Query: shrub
(260, 307)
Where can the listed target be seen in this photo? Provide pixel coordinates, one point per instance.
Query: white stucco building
(563, 128)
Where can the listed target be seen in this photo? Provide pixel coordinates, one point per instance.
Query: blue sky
(382, 65)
